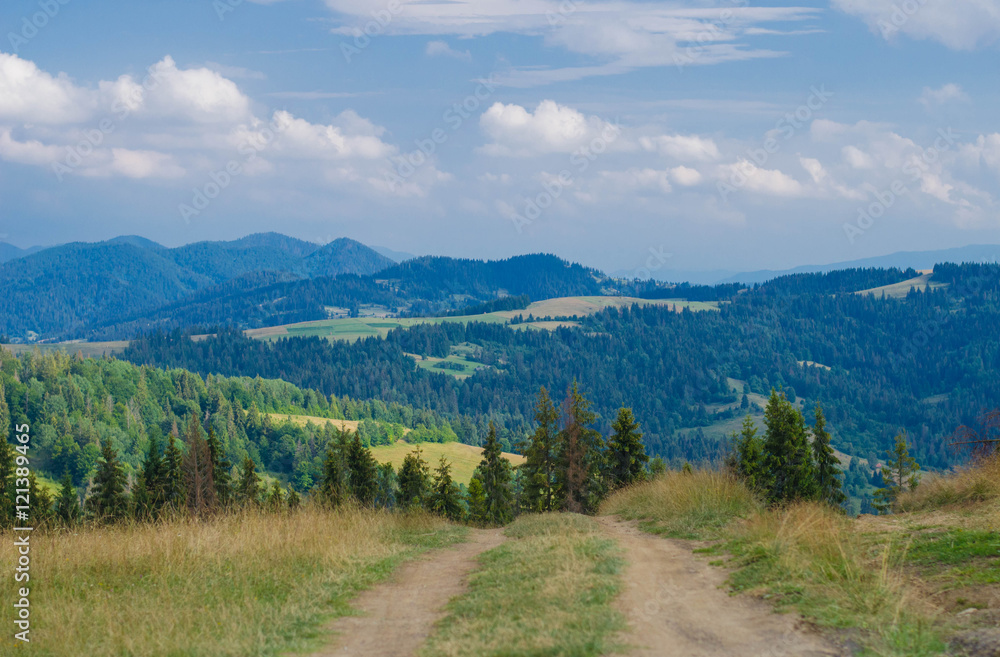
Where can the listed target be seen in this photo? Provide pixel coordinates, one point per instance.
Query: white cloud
(957, 24)
(551, 128)
(746, 175)
(442, 49)
(31, 95)
(949, 93)
(685, 177)
(857, 158)
(686, 148)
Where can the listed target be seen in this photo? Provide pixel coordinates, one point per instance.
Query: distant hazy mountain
(61, 289)
(11, 252)
(395, 256)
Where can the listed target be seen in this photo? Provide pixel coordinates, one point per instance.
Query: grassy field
(241, 585)
(900, 290)
(547, 591)
(463, 458)
(900, 585)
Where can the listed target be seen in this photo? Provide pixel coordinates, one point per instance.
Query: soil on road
(676, 605)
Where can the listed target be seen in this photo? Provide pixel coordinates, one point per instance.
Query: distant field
(86, 349)
(430, 364)
(464, 459)
(355, 328)
(900, 290)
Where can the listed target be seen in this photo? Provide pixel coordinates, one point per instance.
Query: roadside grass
(805, 556)
(243, 585)
(547, 591)
(979, 483)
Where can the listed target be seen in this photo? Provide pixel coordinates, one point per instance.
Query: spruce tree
(248, 489)
(747, 458)
(108, 501)
(68, 503)
(276, 498)
(150, 494)
(173, 476)
(902, 475)
(362, 472)
(657, 467)
(494, 472)
(294, 501)
(7, 495)
(582, 455)
(332, 485)
(788, 461)
(39, 501)
(197, 468)
(626, 455)
(541, 454)
(414, 480)
(220, 470)
(476, 500)
(385, 496)
(828, 471)
(445, 498)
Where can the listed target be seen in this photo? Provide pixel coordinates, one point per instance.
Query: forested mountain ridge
(62, 290)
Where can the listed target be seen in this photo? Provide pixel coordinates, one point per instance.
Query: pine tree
(220, 470)
(582, 454)
(828, 472)
(108, 501)
(150, 494)
(494, 472)
(902, 475)
(747, 457)
(39, 501)
(414, 480)
(477, 502)
(173, 476)
(657, 467)
(197, 468)
(385, 497)
(68, 503)
(276, 498)
(445, 499)
(362, 472)
(788, 460)
(331, 487)
(541, 492)
(248, 489)
(626, 456)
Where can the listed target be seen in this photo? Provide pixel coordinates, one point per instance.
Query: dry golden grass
(247, 584)
(685, 505)
(977, 483)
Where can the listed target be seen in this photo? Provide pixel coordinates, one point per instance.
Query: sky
(628, 135)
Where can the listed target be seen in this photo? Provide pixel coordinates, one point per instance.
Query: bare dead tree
(982, 441)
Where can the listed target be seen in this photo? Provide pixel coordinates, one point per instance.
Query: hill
(11, 252)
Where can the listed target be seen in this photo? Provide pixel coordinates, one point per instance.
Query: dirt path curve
(675, 607)
(398, 615)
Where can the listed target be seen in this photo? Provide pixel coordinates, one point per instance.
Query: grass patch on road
(547, 591)
(237, 585)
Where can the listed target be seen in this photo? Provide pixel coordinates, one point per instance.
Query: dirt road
(675, 607)
(398, 615)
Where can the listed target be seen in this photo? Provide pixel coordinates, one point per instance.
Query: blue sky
(729, 134)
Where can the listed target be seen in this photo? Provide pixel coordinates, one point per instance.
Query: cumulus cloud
(31, 95)
(964, 25)
(550, 128)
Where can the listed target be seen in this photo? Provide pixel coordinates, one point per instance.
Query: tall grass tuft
(694, 505)
(251, 583)
(977, 483)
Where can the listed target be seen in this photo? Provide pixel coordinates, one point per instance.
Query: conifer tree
(220, 470)
(173, 476)
(362, 472)
(385, 496)
(108, 501)
(197, 468)
(788, 461)
(294, 501)
(68, 503)
(477, 502)
(626, 456)
(902, 475)
(747, 458)
(541, 492)
(39, 501)
(445, 499)
(827, 465)
(582, 455)
(149, 493)
(248, 489)
(414, 480)
(332, 485)
(494, 472)
(7, 495)
(276, 498)
(657, 467)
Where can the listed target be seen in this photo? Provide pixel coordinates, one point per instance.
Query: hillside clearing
(901, 289)
(463, 458)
